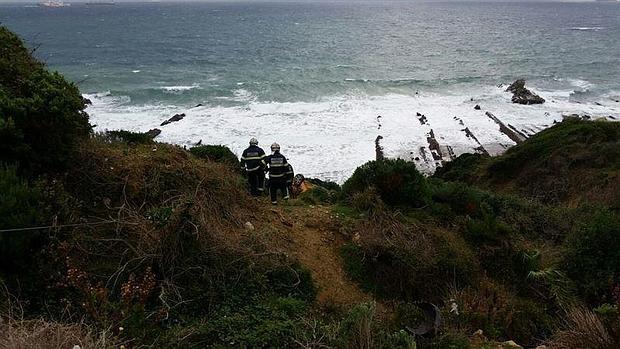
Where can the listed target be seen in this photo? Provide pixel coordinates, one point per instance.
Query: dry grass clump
(42, 334)
(582, 330)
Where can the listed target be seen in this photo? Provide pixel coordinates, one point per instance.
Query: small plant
(217, 153)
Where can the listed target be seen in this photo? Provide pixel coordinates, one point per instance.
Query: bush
(41, 114)
(317, 195)
(270, 323)
(592, 255)
(398, 182)
(217, 153)
(129, 137)
(19, 208)
(462, 169)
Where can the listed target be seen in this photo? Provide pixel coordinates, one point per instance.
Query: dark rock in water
(423, 119)
(477, 107)
(153, 133)
(87, 101)
(199, 143)
(597, 103)
(418, 114)
(378, 148)
(198, 105)
(521, 95)
(175, 117)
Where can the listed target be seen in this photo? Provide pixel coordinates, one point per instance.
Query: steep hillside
(575, 162)
(115, 240)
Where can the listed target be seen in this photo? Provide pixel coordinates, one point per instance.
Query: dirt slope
(310, 235)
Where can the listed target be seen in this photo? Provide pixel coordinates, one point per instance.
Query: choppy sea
(324, 79)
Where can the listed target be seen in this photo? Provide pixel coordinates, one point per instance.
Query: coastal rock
(477, 107)
(153, 133)
(86, 101)
(174, 118)
(522, 95)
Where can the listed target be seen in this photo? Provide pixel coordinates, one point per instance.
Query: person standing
(290, 175)
(253, 162)
(277, 166)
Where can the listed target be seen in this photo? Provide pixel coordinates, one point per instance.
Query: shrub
(397, 181)
(407, 262)
(217, 153)
(592, 255)
(462, 169)
(41, 114)
(19, 208)
(50, 335)
(582, 329)
(317, 195)
(270, 323)
(129, 137)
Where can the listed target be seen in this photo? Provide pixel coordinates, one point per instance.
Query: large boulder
(175, 117)
(522, 95)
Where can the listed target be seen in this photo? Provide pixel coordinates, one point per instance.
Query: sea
(325, 79)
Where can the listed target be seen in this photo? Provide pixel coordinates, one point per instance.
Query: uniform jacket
(253, 158)
(277, 166)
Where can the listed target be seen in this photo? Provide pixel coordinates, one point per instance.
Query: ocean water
(324, 79)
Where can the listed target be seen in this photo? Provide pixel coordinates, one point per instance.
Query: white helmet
(253, 141)
(275, 147)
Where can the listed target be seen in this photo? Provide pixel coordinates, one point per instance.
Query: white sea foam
(329, 138)
(135, 71)
(587, 28)
(180, 88)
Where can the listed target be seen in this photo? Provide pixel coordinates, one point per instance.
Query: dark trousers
(274, 186)
(257, 181)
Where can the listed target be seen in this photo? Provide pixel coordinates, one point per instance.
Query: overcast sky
(70, 1)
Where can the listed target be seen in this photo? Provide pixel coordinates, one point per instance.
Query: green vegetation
(148, 245)
(396, 181)
(41, 114)
(218, 153)
(128, 137)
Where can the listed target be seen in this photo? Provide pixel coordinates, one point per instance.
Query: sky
(120, 1)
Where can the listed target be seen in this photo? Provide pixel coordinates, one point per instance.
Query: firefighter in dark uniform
(290, 174)
(277, 166)
(253, 162)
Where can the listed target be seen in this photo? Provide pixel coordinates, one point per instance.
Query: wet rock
(174, 118)
(86, 101)
(423, 120)
(153, 132)
(477, 107)
(198, 105)
(522, 95)
(378, 148)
